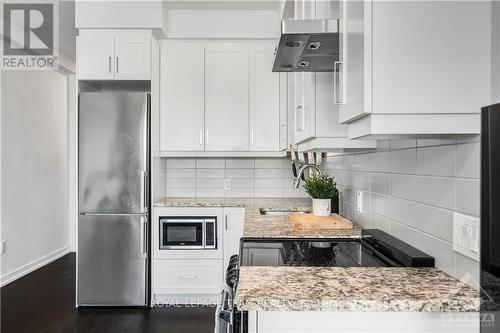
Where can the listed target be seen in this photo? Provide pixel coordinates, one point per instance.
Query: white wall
(34, 170)
(204, 177)
(411, 189)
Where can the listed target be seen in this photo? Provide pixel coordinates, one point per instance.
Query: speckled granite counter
(264, 226)
(352, 289)
(200, 202)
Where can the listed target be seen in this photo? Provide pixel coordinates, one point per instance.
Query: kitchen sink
(281, 211)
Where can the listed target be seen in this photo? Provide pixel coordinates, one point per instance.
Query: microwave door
(113, 152)
(182, 234)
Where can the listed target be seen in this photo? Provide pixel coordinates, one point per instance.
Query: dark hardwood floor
(44, 302)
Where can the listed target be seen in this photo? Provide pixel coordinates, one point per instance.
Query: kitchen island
(347, 299)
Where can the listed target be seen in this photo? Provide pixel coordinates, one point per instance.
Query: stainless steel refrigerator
(113, 171)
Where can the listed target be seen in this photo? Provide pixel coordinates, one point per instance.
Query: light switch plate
(466, 235)
(227, 184)
(359, 201)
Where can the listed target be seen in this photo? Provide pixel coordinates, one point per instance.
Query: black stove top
(374, 249)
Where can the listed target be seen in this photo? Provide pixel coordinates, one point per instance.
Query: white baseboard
(34, 265)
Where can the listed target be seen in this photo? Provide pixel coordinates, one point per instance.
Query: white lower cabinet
(187, 277)
(234, 219)
(368, 322)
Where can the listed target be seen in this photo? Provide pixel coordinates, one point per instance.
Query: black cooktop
(374, 249)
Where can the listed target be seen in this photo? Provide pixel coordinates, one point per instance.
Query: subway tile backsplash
(204, 177)
(411, 189)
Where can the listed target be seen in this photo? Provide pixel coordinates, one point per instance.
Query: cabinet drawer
(187, 276)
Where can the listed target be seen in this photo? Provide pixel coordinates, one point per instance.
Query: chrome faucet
(302, 169)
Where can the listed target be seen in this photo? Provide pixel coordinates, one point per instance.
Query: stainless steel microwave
(188, 233)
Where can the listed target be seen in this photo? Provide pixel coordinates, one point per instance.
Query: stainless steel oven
(185, 233)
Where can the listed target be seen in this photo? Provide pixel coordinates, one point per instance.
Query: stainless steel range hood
(307, 45)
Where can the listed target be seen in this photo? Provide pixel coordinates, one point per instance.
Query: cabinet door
(132, 57)
(226, 97)
(304, 106)
(264, 100)
(187, 277)
(234, 219)
(352, 75)
(445, 68)
(182, 97)
(95, 58)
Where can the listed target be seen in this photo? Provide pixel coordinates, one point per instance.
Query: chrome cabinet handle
(225, 221)
(283, 132)
(251, 137)
(201, 137)
(188, 277)
(336, 88)
(117, 64)
(109, 64)
(300, 110)
(207, 141)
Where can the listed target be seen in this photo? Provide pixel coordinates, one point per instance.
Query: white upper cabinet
(109, 55)
(414, 67)
(226, 97)
(264, 100)
(182, 102)
(221, 97)
(316, 118)
(349, 78)
(96, 58)
(132, 57)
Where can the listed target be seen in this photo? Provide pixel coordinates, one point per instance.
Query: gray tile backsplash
(204, 177)
(411, 189)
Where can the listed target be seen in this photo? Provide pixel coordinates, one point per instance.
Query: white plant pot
(322, 207)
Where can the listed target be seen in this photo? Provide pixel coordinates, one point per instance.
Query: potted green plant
(322, 189)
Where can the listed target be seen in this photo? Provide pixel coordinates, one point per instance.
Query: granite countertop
(199, 202)
(352, 289)
(264, 226)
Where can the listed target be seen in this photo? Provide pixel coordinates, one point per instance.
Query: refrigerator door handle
(144, 237)
(145, 191)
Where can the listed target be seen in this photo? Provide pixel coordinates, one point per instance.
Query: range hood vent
(307, 46)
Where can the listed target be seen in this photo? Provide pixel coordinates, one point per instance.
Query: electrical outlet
(4, 246)
(227, 184)
(466, 235)
(359, 201)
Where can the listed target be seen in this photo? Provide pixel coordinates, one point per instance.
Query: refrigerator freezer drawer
(112, 260)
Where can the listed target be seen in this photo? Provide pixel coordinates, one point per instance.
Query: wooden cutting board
(313, 222)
